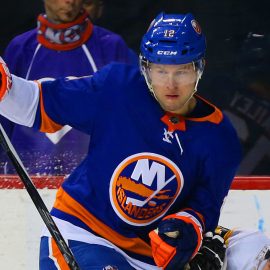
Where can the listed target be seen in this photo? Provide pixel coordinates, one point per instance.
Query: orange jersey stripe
(67, 204)
(47, 124)
(58, 256)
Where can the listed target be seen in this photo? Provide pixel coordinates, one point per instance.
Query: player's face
(173, 86)
(62, 11)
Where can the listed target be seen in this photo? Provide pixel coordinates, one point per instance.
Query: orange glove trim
(162, 252)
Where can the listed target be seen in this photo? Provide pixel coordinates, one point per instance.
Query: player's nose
(171, 82)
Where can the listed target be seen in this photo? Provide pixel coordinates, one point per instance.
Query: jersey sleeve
(216, 172)
(72, 102)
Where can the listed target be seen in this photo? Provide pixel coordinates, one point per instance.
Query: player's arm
(49, 105)
(16, 104)
(217, 169)
(179, 236)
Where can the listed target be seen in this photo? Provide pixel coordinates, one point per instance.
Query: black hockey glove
(211, 254)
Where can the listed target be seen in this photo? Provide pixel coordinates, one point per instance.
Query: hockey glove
(212, 253)
(5, 79)
(176, 240)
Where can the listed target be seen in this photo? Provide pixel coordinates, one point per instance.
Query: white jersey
(246, 250)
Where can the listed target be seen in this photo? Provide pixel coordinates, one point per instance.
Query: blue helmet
(173, 39)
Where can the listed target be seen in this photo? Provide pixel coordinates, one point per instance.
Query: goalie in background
(161, 158)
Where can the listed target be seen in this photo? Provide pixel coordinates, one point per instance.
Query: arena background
(226, 24)
(221, 20)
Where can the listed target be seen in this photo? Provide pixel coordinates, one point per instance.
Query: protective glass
(162, 75)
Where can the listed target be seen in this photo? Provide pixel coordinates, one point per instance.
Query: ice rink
(20, 223)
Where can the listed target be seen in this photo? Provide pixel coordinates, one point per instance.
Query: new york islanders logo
(196, 27)
(143, 187)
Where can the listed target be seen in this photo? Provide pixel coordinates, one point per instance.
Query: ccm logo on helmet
(167, 52)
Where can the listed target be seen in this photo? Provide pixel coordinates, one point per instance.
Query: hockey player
(246, 250)
(160, 162)
(64, 43)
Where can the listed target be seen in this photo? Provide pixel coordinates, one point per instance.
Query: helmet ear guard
(144, 65)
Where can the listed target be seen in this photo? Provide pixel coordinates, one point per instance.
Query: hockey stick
(40, 205)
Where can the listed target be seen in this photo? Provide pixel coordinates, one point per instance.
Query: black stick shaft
(40, 205)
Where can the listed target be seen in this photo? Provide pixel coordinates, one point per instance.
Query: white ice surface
(20, 223)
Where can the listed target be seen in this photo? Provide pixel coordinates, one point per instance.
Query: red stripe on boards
(54, 182)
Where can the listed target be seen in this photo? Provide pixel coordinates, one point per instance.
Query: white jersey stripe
(71, 232)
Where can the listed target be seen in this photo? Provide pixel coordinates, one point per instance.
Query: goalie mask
(173, 40)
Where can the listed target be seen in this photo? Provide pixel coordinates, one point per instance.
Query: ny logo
(168, 135)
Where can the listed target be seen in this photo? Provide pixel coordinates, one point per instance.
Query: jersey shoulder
(112, 45)
(23, 40)
(105, 34)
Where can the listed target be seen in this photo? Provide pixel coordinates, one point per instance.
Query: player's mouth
(172, 96)
(67, 12)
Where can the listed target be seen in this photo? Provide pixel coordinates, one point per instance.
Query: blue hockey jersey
(143, 163)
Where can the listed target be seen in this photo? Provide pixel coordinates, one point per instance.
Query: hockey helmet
(173, 39)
